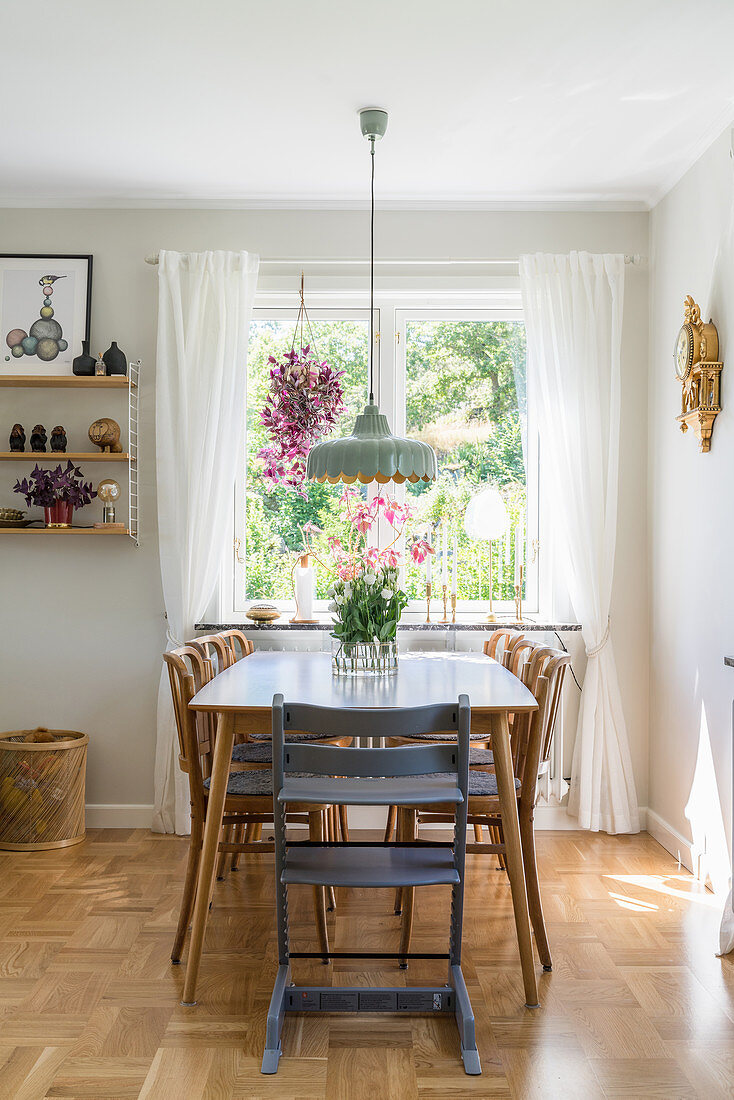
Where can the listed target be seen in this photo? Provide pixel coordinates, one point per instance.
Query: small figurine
(105, 434)
(58, 439)
(17, 438)
(38, 438)
(100, 367)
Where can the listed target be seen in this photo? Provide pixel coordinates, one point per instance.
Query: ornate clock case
(698, 369)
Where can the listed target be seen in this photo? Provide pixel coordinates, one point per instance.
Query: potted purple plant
(303, 405)
(57, 491)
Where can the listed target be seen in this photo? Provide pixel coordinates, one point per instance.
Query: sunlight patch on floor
(665, 884)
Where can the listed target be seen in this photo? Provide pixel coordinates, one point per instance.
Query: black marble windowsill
(325, 623)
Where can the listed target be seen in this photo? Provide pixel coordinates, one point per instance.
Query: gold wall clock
(698, 369)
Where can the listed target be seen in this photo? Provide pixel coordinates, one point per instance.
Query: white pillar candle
(444, 555)
(519, 555)
(455, 574)
(429, 567)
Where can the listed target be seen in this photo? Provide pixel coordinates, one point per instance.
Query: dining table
(242, 697)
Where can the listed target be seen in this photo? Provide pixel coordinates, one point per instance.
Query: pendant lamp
(371, 452)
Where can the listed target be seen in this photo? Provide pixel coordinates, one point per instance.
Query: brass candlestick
(445, 618)
(518, 597)
(453, 607)
(428, 601)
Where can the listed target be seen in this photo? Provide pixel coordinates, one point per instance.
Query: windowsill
(325, 622)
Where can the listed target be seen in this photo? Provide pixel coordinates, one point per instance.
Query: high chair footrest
(370, 867)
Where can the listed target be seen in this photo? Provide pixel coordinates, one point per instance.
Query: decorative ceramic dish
(13, 517)
(262, 612)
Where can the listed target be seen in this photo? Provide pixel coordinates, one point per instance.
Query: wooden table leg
(513, 852)
(207, 865)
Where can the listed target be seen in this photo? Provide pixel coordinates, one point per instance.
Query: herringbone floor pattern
(637, 1005)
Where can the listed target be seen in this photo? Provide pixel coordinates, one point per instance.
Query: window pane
(274, 516)
(462, 383)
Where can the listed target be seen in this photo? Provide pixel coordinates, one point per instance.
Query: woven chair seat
(447, 738)
(253, 752)
(257, 783)
(480, 756)
(481, 784)
(297, 737)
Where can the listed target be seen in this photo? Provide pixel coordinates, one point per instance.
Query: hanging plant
(303, 404)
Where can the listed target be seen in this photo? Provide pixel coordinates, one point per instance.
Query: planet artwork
(45, 337)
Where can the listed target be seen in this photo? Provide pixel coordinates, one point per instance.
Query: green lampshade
(371, 453)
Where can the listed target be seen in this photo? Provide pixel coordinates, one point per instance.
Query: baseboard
(132, 816)
(122, 816)
(673, 841)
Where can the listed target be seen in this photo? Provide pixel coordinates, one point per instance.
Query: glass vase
(364, 658)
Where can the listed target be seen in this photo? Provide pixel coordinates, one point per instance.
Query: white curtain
(573, 313)
(204, 309)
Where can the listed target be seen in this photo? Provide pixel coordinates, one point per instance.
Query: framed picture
(45, 308)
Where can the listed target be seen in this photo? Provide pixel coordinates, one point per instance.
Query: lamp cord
(372, 266)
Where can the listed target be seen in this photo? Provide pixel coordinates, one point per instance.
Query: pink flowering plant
(366, 597)
(303, 404)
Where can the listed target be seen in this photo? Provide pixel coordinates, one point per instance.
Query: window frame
(239, 601)
(395, 305)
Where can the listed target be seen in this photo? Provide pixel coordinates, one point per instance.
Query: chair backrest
(224, 648)
(497, 643)
(532, 734)
(517, 653)
(373, 723)
(188, 671)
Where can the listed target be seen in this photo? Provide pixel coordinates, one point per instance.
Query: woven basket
(42, 791)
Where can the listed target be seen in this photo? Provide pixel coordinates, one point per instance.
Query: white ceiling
(235, 103)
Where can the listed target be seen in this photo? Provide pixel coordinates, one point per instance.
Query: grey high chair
(409, 775)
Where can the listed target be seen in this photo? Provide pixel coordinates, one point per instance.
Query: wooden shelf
(66, 381)
(52, 456)
(61, 531)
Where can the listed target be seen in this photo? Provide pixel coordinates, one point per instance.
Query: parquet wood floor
(637, 1005)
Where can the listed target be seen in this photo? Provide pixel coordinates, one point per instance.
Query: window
(454, 377)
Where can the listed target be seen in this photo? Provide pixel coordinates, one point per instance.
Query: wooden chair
(531, 739)
(494, 647)
(223, 650)
(249, 798)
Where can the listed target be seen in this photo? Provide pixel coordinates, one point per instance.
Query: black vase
(84, 363)
(115, 360)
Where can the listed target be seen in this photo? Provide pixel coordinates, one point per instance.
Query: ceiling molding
(540, 204)
(721, 122)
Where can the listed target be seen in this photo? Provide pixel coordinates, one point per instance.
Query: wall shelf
(66, 381)
(128, 383)
(62, 531)
(52, 456)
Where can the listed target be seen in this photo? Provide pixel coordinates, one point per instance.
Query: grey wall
(82, 619)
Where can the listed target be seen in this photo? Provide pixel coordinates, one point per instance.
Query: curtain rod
(635, 258)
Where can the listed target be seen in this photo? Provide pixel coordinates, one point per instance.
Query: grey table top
(421, 679)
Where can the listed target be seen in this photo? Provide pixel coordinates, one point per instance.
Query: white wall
(82, 620)
(691, 529)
